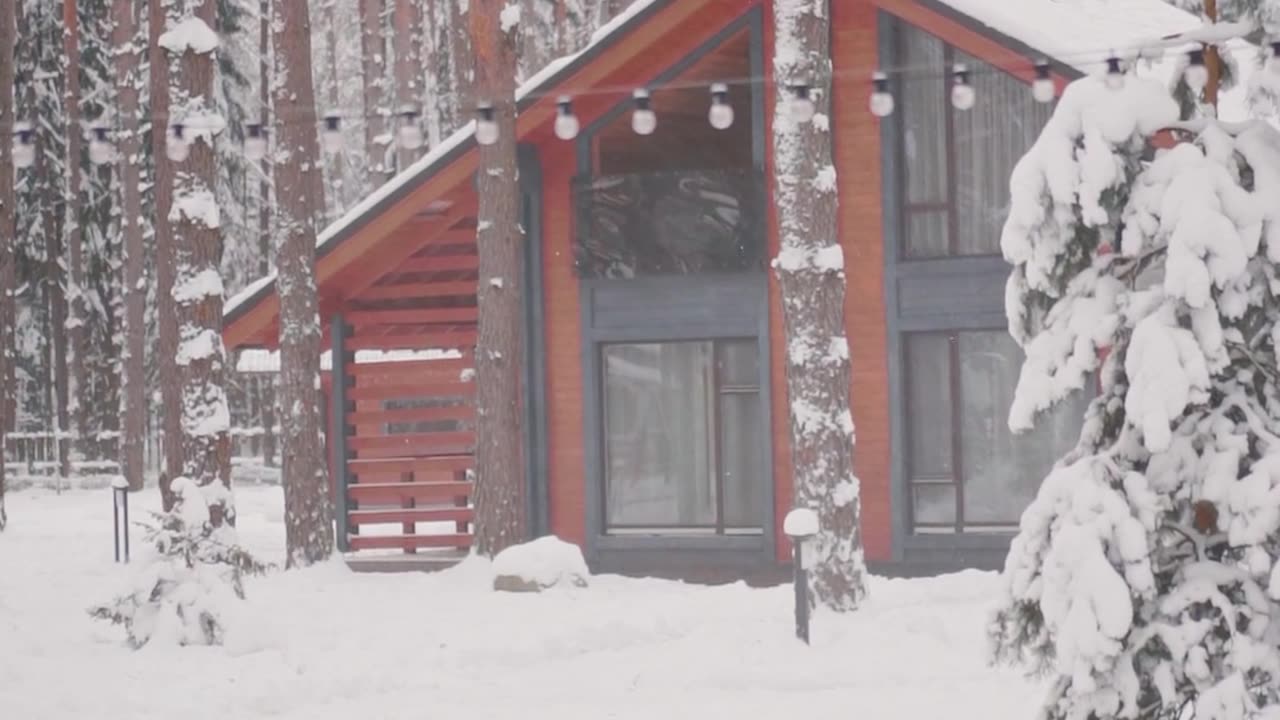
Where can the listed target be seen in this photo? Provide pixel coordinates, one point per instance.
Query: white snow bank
(542, 563)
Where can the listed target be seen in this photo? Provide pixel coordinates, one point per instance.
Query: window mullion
(957, 418)
(949, 111)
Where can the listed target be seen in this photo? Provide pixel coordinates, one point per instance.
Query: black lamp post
(801, 525)
(120, 514)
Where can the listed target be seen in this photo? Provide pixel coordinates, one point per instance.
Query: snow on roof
(1084, 33)
(424, 166)
(257, 360)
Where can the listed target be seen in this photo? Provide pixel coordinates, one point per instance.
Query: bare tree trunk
(811, 277)
(499, 493)
(460, 70)
(133, 365)
(406, 70)
(264, 204)
(166, 310)
(373, 47)
(76, 330)
(197, 290)
(304, 470)
(8, 229)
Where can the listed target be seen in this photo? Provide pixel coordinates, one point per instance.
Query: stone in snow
(801, 522)
(535, 566)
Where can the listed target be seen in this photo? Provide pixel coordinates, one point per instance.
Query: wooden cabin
(656, 424)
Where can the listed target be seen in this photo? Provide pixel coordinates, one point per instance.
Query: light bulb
(101, 151)
(721, 113)
(486, 125)
(881, 99)
(566, 125)
(255, 143)
(1196, 74)
(1115, 74)
(24, 145)
(643, 120)
(803, 109)
(409, 135)
(332, 138)
(963, 96)
(1042, 88)
(176, 146)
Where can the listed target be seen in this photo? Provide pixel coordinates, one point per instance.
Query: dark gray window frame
(932, 295)
(697, 307)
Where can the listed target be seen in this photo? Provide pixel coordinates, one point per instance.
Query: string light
(643, 120)
(963, 95)
(486, 125)
(176, 145)
(24, 145)
(1197, 74)
(331, 136)
(803, 108)
(721, 113)
(1042, 88)
(1115, 73)
(101, 150)
(566, 125)
(255, 142)
(881, 99)
(410, 133)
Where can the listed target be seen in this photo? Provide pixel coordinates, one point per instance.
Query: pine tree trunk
(56, 291)
(405, 44)
(813, 290)
(461, 68)
(133, 365)
(8, 229)
(197, 291)
(264, 207)
(373, 48)
(76, 288)
(499, 493)
(304, 470)
(166, 310)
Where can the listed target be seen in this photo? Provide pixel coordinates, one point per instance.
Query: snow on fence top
(424, 166)
(257, 360)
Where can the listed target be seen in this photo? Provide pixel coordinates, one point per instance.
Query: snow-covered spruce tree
(304, 470)
(190, 577)
(1144, 579)
(811, 276)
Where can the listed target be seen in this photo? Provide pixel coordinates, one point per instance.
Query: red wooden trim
(430, 316)
(439, 463)
(461, 340)
(411, 441)
(417, 368)
(397, 491)
(404, 392)
(403, 515)
(420, 290)
(967, 39)
(437, 263)
(408, 542)
(410, 415)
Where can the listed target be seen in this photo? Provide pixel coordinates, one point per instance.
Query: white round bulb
(332, 140)
(1043, 91)
(255, 148)
(644, 121)
(1115, 81)
(1197, 77)
(567, 126)
(176, 148)
(802, 109)
(410, 135)
(486, 131)
(101, 152)
(963, 96)
(24, 153)
(720, 116)
(882, 104)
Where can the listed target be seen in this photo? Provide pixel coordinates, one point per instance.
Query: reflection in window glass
(683, 428)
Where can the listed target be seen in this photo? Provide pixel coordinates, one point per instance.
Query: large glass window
(967, 471)
(683, 423)
(956, 163)
(685, 199)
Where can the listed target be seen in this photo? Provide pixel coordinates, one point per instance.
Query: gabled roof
(1077, 35)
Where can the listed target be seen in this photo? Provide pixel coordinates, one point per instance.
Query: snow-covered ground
(327, 643)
